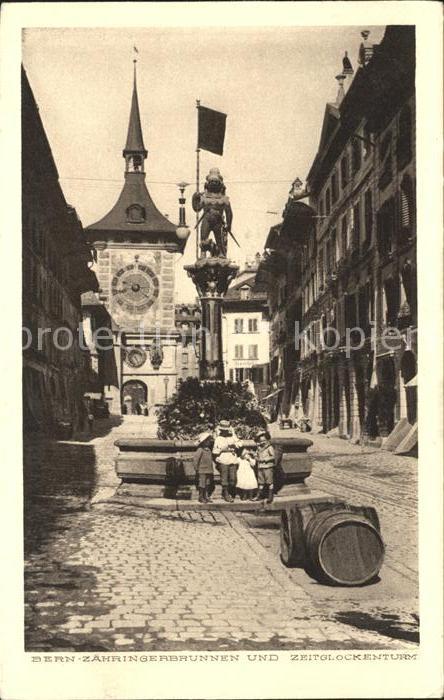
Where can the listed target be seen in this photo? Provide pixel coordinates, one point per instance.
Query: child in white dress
(246, 478)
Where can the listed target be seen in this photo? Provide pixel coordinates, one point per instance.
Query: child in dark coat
(203, 464)
(266, 462)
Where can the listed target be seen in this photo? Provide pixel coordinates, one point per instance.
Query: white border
(20, 678)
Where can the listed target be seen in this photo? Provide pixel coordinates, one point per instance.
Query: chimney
(365, 49)
(341, 94)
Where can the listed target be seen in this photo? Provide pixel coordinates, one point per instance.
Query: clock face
(135, 288)
(135, 357)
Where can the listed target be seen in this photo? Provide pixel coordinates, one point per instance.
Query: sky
(273, 83)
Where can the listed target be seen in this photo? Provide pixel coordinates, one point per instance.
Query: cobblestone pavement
(112, 577)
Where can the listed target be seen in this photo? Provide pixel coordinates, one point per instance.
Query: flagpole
(197, 179)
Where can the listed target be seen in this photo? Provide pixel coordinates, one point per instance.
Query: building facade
(135, 247)
(96, 325)
(280, 270)
(56, 271)
(187, 320)
(245, 330)
(349, 277)
(393, 122)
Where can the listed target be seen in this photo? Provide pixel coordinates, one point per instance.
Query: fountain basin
(167, 465)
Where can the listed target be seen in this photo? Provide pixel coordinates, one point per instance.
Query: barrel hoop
(315, 540)
(375, 569)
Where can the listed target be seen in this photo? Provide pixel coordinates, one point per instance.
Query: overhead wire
(163, 182)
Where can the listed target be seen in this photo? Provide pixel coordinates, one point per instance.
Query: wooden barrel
(343, 548)
(291, 539)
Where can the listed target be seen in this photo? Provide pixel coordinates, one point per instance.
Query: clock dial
(135, 288)
(135, 357)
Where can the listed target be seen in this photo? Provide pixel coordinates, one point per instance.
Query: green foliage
(198, 406)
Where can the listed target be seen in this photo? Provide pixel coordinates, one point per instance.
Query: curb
(276, 507)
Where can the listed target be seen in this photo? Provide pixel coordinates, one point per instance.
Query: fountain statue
(217, 215)
(212, 272)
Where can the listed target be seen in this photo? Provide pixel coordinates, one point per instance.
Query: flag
(211, 130)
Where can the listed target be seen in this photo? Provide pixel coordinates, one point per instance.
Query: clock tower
(135, 247)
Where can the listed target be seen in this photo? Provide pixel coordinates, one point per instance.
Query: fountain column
(211, 277)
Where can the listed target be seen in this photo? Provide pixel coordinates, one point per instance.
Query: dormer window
(135, 214)
(245, 293)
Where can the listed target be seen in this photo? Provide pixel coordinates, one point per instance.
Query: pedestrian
(224, 450)
(203, 464)
(90, 421)
(266, 461)
(246, 478)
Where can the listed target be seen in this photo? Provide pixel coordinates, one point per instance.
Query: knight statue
(217, 215)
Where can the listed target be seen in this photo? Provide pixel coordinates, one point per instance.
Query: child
(224, 450)
(203, 464)
(265, 460)
(246, 478)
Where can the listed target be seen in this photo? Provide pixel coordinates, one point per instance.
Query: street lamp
(182, 230)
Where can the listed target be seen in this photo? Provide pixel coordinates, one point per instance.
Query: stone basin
(167, 465)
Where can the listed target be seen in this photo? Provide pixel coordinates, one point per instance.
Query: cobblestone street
(103, 577)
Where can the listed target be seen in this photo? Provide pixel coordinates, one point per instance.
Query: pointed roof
(135, 212)
(134, 139)
(147, 218)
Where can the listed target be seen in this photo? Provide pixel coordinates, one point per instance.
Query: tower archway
(134, 397)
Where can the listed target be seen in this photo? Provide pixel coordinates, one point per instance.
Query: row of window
(352, 310)
(42, 247)
(59, 346)
(252, 352)
(44, 289)
(357, 310)
(399, 295)
(241, 327)
(399, 138)
(393, 229)
(349, 165)
(258, 375)
(395, 226)
(355, 228)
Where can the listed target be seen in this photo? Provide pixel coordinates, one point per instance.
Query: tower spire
(134, 151)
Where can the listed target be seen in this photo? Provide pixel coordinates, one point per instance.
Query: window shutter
(405, 210)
